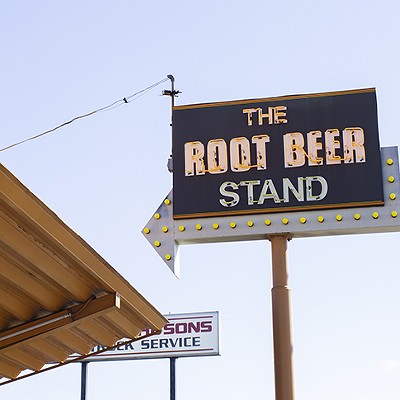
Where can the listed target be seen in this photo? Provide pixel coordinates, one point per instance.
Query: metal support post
(172, 378)
(84, 366)
(172, 93)
(282, 332)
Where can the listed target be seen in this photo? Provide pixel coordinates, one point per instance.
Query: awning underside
(58, 297)
(55, 337)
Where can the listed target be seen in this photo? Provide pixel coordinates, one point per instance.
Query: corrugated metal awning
(57, 295)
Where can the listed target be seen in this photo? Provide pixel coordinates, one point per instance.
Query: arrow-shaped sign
(166, 234)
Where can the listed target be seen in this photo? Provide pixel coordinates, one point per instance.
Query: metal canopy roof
(57, 295)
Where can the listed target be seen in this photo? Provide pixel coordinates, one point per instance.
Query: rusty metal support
(38, 328)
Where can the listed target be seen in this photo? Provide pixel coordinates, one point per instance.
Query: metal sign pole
(282, 332)
(172, 93)
(84, 366)
(172, 378)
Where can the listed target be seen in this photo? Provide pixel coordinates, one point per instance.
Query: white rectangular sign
(186, 335)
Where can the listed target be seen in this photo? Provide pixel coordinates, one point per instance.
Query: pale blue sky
(105, 176)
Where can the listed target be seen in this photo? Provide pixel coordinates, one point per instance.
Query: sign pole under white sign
(84, 366)
(172, 378)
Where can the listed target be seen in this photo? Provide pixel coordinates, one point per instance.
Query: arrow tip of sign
(159, 231)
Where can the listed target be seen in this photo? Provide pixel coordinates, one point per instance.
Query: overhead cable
(110, 107)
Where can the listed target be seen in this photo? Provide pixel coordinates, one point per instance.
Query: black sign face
(288, 153)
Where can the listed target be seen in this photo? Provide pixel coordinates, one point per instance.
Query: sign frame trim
(277, 98)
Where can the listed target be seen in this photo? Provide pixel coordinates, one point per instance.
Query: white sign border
(213, 350)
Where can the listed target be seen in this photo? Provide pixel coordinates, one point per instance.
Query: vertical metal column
(84, 365)
(172, 378)
(172, 93)
(281, 316)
